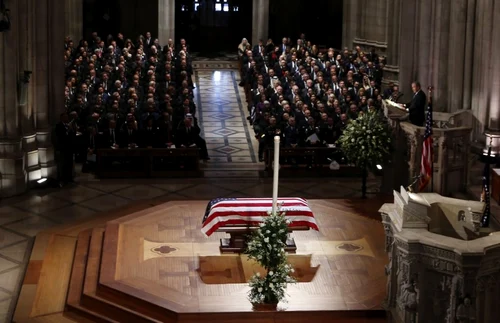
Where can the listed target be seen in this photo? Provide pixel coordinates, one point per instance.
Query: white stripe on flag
(237, 209)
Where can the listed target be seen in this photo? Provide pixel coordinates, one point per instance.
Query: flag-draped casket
(250, 212)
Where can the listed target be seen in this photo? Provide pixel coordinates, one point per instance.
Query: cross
(349, 247)
(163, 250)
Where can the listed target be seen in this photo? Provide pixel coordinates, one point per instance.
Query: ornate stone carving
(448, 269)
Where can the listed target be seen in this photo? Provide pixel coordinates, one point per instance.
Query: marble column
(166, 21)
(73, 22)
(260, 21)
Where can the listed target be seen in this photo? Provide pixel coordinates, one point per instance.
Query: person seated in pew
(148, 135)
(111, 137)
(92, 143)
(266, 136)
(327, 133)
(188, 136)
(129, 136)
(165, 132)
(291, 134)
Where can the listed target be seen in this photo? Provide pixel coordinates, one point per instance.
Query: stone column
(480, 79)
(494, 85)
(456, 59)
(166, 21)
(12, 174)
(27, 19)
(260, 21)
(407, 44)
(469, 53)
(73, 22)
(491, 84)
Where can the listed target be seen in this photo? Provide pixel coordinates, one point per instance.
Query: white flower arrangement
(267, 247)
(366, 141)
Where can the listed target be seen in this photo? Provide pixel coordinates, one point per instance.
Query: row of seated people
(305, 95)
(117, 83)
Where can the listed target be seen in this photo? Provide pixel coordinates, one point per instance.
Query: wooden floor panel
(54, 276)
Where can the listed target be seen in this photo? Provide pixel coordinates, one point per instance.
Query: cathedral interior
(111, 147)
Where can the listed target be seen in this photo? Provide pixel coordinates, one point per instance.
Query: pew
(308, 161)
(148, 162)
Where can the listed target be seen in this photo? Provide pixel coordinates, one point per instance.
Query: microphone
(415, 180)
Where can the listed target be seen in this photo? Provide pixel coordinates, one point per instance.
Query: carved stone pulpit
(451, 137)
(442, 266)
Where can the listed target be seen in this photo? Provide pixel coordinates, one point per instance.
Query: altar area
(154, 264)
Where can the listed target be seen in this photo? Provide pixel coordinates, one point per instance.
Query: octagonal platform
(151, 263)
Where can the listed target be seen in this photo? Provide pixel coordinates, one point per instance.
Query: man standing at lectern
(417, 105)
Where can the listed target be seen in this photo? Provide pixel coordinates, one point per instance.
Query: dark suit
(65, 136)
(128, 137)
(187, 137)
(109, 139)
(148, 137)
(416, 108)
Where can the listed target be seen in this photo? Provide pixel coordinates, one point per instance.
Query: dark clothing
(65, 136)
(416, 108)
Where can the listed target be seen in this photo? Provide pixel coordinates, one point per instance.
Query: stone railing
(451, 134)
(440, 268)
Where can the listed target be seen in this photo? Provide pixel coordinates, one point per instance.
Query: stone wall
(34, 43)
(446, 44)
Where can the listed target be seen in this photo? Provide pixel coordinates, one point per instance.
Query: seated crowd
(125, 94)
(306, 95)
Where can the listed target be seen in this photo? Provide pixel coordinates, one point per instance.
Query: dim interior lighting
(379, 167)
(41, 180)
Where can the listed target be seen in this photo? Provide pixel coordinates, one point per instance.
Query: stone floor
(232, 172)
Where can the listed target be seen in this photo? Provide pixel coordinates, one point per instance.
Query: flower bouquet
(267, 247)
(366, 143)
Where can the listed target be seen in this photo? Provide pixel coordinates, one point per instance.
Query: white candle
(276, 172)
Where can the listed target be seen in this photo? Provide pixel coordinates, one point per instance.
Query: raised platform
(151, 263)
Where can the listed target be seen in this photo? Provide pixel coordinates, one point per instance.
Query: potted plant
(366, 143)
(267, 247)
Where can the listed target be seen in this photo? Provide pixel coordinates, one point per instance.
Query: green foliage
(267, 247)
(366, 141)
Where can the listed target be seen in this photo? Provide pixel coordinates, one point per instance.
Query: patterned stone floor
(223, 120)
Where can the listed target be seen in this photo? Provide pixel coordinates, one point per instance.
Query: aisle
(222, 115)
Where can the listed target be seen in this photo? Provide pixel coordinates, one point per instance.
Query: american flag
(427, 160)
(485, 195)
(251, 212)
